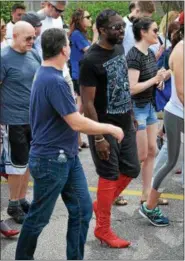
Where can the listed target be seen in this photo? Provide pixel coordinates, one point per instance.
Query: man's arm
(82, 124)
(88, 96)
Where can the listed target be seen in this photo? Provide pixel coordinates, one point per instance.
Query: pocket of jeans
(57, 169)
(38, 168)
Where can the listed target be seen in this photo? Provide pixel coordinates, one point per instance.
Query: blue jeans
(52, 178)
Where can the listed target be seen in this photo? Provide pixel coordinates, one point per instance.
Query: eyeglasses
(29, 38)
(156, 30)
(117, 27)
(58, 10)
(88, 17)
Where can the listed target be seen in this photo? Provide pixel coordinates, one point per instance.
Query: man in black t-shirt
(106, 98)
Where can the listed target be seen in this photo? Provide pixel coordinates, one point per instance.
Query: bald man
(19, 63)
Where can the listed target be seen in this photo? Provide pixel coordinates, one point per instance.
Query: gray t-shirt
(17, 73)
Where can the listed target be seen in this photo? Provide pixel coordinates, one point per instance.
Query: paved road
(148, 242)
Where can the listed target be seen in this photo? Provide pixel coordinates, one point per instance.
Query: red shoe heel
(10, 233)
(112, 240)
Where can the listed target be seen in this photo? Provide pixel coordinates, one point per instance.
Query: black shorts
(16, 145)
(123, 157)
(76, 86)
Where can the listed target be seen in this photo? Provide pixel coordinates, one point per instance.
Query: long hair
(76, 21)
(172, 15)
(178, 36)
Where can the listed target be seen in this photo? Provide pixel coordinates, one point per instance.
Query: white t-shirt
(5, 43)
(155, 47)
(174, 105)
(9, 30)
(47, 23)
(129, 40)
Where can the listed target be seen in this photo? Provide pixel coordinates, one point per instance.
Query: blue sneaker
(155, 216)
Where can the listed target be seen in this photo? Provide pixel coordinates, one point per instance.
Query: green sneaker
(155, 216)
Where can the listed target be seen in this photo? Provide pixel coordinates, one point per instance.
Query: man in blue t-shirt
(54, 162)
(19, 63)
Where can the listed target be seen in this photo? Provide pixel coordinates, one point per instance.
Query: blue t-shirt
(51, 99)
(17, 73)
(78, 42)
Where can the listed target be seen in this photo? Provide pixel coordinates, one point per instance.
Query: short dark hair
(102, 19)
(139, 24)
(18, 6)
(132, 5)
(146, 6)
(52, 41)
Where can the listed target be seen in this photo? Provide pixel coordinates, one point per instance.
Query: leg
(148, 164)
(14, 184)
(78, 202)
(142, 147)
(173, 127)
(49, 177)
(105, 196)
(128, 161)
(16, 159)
(24, 184)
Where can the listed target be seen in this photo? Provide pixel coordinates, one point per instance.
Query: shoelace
(157, 212)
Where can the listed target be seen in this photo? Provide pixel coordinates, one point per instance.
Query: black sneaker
(17, 213)
(25, 206)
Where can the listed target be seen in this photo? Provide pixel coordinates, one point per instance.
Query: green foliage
(5, 7)
(94, 8)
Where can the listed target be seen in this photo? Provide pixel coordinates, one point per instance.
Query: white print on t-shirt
(118, 93)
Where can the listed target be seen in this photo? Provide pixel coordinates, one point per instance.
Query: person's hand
(160, 86)
(103, 149)
(160, 76)
(117, 133)
(159, 52)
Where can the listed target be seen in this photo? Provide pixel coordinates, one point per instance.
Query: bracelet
(97, 141)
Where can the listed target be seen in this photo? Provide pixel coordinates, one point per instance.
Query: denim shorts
(145, 116)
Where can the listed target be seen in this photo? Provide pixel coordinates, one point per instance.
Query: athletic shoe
(155, 216)
(25, 206)
(17, 213)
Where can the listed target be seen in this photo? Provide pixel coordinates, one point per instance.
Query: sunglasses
(156, 30)
(58, 10)
(29, 38)
(88, 17)
(117, 27)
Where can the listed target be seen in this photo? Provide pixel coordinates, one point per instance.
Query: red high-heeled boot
(122, 183)
(105, 197)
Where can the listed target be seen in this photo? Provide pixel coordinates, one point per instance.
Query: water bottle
(62, 157)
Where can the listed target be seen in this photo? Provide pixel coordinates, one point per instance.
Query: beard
(114, 41)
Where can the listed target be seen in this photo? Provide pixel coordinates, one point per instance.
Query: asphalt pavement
(148, 242)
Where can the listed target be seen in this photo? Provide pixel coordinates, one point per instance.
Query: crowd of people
(57, 83)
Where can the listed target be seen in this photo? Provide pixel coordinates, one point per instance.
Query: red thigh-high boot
(102, 208)
(122, 183)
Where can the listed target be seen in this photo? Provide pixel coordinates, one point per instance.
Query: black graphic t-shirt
(107, 71)
(147, 66)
